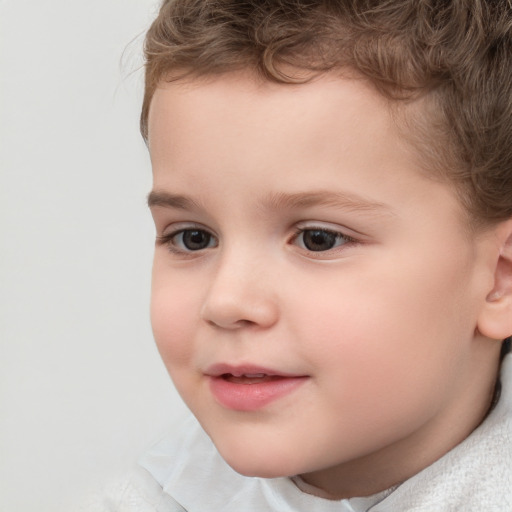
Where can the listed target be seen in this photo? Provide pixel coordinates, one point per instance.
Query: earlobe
(495, 319)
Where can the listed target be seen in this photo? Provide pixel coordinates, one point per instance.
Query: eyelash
(336, 236)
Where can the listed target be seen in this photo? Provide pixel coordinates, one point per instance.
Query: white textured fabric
(475, 476)
(139, 492)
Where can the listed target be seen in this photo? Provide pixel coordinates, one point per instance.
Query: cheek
(381, 328)
(174, 316)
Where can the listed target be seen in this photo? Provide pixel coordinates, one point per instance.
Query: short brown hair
(455, 53)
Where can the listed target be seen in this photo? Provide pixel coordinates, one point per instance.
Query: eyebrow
(168, 200)
(281, 200)
(326, 198)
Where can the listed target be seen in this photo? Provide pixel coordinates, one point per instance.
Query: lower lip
(251, 397)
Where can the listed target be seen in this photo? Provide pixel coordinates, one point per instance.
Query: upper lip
(218, 369)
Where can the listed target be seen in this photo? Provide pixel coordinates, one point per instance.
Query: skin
(392, 326)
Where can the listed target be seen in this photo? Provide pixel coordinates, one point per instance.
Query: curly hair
(453, 55)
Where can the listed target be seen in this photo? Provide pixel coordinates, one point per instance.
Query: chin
(256, 451)
(264, 465)
(261, 471)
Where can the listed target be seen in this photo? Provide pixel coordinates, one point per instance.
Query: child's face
(300, 241)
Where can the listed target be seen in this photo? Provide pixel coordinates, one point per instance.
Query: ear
(495, 319)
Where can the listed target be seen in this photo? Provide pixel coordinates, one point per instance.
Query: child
(332, 280)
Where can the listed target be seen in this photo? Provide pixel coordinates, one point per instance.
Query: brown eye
(317, 240)
(193, 239)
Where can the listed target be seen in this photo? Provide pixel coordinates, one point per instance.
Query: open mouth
(249, 388)
(250, 378)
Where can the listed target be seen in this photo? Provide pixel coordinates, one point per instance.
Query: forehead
(260, 108)
(237, 110)
(331, 133)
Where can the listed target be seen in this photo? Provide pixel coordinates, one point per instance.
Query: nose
(240, 294)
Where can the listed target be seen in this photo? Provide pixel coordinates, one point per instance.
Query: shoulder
(138, 492)
(142, 490)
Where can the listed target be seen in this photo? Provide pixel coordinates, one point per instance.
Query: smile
(250, 388)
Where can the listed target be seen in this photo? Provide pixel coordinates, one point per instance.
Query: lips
(256, 378)
(246, 370)
(248, 387)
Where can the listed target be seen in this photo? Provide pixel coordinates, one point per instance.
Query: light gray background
(82, 389)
